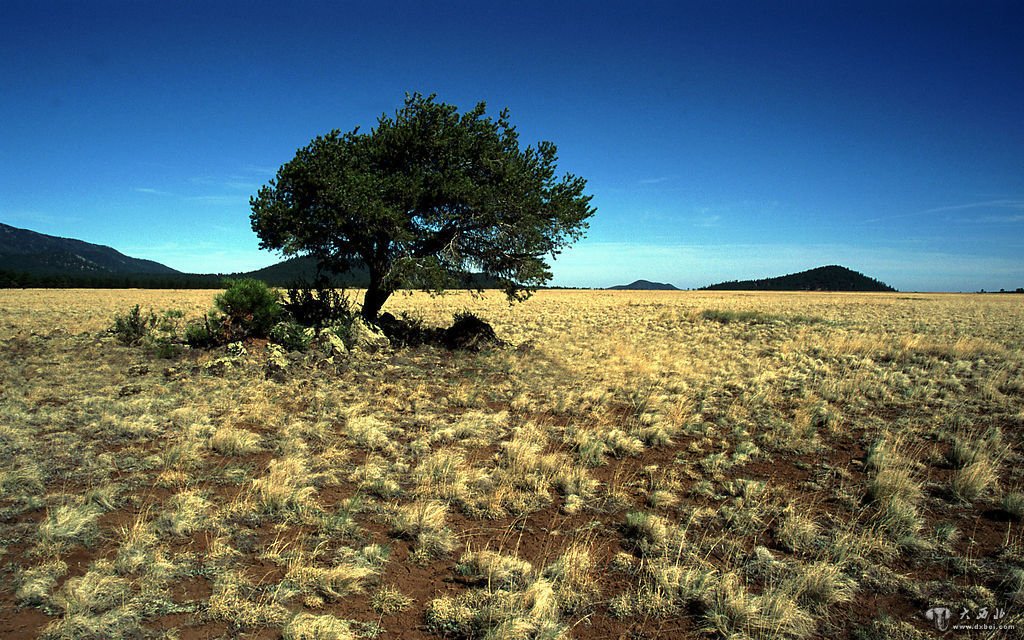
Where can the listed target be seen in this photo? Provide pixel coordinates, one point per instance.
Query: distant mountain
(645, 285)
(28, 252)
(830, 278)
(31, 259)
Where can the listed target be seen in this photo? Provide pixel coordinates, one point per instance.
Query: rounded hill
(828, 278)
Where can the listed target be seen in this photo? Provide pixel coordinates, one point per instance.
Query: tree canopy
(426, 198)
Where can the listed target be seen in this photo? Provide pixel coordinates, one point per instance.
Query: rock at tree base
(366, 337)
(330, 343)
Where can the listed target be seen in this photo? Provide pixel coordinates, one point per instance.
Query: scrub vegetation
(620, 465)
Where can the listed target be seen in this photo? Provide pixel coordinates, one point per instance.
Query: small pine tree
(250, 309)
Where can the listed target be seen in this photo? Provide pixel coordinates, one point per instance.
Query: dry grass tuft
(286, 487)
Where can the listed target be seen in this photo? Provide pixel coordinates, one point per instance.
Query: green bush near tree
(250, 309)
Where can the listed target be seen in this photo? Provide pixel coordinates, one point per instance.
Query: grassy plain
(632, 465)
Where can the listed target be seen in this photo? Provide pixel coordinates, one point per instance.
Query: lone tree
(424, 200)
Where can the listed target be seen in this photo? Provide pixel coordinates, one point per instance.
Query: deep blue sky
(720, 139)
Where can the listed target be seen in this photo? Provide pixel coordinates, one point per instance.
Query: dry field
(632, 465)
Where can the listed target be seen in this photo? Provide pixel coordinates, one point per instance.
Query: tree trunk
(376, 296)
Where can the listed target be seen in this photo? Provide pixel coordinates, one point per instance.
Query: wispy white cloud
(248, 180)
(229, 182)
(155, 192)
(220, 199)
(650, 181)
(1003, 219)
(708, 221)
(258, 171)
(985, 204)
(1004, 203)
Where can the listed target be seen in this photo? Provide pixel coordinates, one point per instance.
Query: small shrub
(133, 326)
(163, 340)
(471, 333)
(158, 334)
(205, 333)
(250, 308)
(318, 305)
(343, 330)
(409, 330)
(165, 347)
(291, 335)
(170, 321)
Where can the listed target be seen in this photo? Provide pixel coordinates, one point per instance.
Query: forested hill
(39, 254)
(829, 278)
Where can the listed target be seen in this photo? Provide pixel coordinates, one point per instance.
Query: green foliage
(425, 198)
(318, 305)
(246, 309)
(205, 333)
(164, 341)
(343, 330)
(164, 347)
(291, 335)
(250, 309)
(132, 327)
(158, 334)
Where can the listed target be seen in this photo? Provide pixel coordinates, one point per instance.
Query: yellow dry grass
(676, 464)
